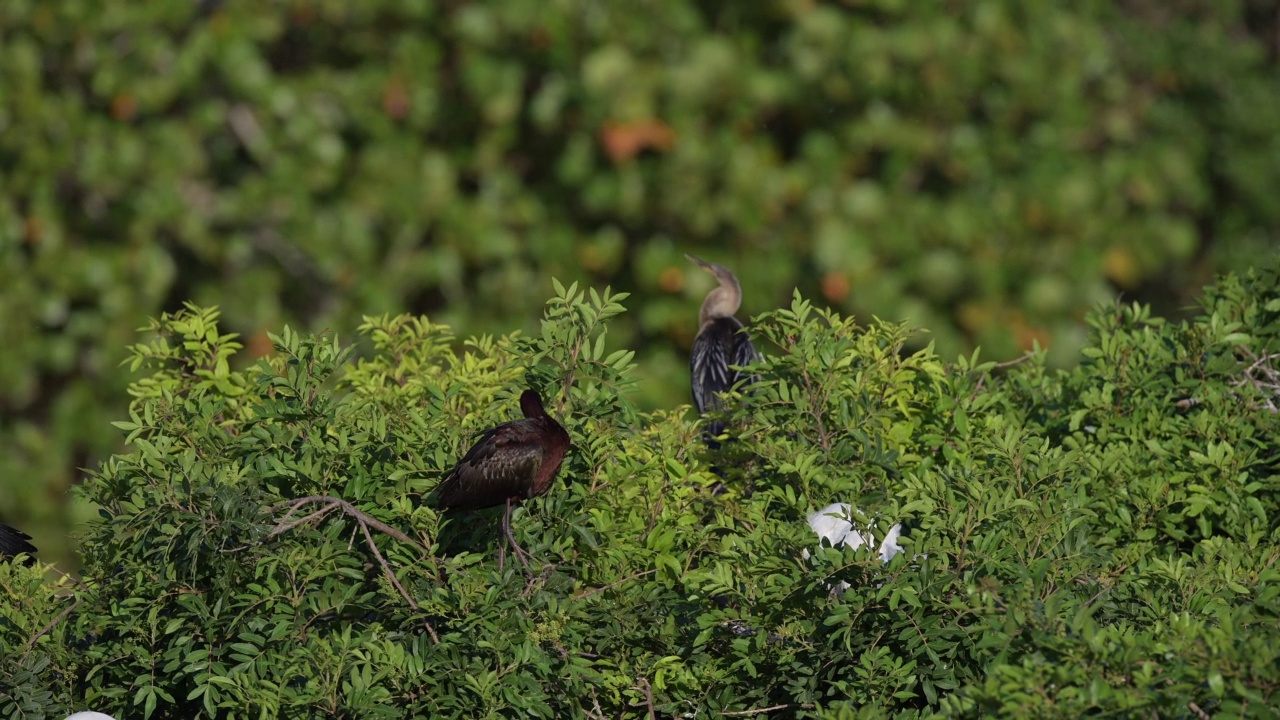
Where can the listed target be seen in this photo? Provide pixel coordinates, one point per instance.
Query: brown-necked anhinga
(14, 542)
(514, 461)
(721, 342)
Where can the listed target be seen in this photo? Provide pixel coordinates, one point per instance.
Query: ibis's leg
(502, 546)
(511, 538)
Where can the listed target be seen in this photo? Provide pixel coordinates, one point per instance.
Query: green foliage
(989, 170)
(40, 680)
(1099, 541)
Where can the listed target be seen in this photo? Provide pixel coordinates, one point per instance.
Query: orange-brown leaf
(123, 107)
(395, 99)
(623, 141)
(835, 286)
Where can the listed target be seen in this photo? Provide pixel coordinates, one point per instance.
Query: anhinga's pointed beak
(699, 262)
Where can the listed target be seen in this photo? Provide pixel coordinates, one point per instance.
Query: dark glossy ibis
(13, 542)
(721, 342)
(512, 462)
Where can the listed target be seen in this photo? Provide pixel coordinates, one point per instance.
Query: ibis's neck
(531, 405)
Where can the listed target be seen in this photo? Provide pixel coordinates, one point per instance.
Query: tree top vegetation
(987, 170)
(1099, 540)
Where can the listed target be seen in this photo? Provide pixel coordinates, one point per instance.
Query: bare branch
(245, 127)
(615, 583)
(761, 711)
(354, 512)
(648, 697)
(1016, 361)
(65, 612)
(285, 526)
(328, 504)
(1263, 374)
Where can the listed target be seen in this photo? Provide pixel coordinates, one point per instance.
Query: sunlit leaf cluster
(1099, 541)
(990, 170)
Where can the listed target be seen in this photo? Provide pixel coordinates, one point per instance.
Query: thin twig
(1199, 713)
(599, 713)
(1268, 383)
(66, 611)
(394, 580)
(245, 127)
(293, 506)
(982, 379)
(364, 522)
(761, 711)
(615, 583)
(286, 526)
(354, 512)
(648, 697)
(1018, 360)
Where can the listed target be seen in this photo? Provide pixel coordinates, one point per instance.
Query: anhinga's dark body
(514, 461)
(14, 541)
(721, 342)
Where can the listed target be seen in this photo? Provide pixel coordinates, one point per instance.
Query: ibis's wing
(498, 467)
(13, 541)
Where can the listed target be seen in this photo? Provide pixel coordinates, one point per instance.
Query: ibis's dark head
(514, 461)
(531, 404)
(14, 542)
(725, 299)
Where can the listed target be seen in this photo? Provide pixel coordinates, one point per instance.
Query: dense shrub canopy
(1102, 540)
(989, 170)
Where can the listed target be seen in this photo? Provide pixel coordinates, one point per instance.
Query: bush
(1098, 541)
(988, 170)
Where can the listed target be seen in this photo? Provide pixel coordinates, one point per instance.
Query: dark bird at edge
(13, 542)
(721, 342)
(512, 462)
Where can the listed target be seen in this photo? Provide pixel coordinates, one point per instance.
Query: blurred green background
(988, 170)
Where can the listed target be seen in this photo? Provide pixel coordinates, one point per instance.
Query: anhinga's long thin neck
(722, 302)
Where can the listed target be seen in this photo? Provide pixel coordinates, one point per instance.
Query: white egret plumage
(832, 523)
